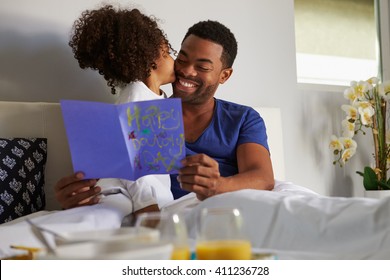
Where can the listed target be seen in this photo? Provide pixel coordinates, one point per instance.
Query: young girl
(133, 55)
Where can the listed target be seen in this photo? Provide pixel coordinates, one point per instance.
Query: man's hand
(200, 174)
(73, 191)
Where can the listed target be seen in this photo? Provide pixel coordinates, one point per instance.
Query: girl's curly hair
(122, 45)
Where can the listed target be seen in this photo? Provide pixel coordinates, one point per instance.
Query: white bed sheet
(296, 223)
(105, 215)
(291, 221)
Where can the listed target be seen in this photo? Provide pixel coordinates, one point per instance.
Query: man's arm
(200, 173)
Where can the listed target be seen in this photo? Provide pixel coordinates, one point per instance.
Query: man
(232, 134)
(226, 143)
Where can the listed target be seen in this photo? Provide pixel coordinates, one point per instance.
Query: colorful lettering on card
(125, 140)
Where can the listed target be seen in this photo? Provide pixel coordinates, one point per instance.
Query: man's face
(198, 70)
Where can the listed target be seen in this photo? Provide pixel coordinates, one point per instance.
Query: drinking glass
(171, 227)
(220, 235)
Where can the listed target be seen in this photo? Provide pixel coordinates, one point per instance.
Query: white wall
(36, 64)
(38, 61)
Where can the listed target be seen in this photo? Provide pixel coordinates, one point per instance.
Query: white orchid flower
(384, 90)
(360, 88)
(366, 114)
(348, 143)
(367, 106)
(351, 111)
(347, 154)
(362, 104)
(335, 144)
(366, 86)
(350, 94)
(373, 81)
(348, 128)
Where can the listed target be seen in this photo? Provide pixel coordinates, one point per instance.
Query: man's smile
(186, 83)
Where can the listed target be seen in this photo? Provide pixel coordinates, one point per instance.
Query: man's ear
(225, 75)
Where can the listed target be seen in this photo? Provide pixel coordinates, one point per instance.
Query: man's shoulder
(231, 108)
(224, 104)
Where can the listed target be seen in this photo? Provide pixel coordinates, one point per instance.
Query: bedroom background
(36, 64)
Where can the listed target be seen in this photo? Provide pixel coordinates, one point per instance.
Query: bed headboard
(273, 122)
(40, 119)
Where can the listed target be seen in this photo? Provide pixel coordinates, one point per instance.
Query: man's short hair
(217, 33)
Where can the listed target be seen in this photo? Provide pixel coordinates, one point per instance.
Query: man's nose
(187, 70)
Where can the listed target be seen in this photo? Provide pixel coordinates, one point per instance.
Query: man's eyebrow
(199, 60)
(183, 53)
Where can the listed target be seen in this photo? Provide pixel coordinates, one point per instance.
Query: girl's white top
(149, 189)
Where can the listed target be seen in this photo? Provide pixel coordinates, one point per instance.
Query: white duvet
(290, 221)
(310, 227)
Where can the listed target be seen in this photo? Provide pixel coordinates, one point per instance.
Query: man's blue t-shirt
(232, 124)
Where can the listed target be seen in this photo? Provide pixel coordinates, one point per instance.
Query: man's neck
(196, 119)
(195, 110)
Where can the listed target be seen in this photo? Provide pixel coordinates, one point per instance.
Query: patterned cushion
(22, 169)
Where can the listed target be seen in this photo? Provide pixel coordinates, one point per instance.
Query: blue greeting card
(125, 140)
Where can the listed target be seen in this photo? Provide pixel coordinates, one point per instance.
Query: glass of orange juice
(171, 228)
(220, 235)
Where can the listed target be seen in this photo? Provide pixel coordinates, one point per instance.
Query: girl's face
(165, 67)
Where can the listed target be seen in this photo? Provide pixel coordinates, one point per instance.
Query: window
(336, 41)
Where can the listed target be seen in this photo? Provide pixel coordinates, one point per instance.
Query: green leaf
(385, 186)
(360, 173)
(370, 181)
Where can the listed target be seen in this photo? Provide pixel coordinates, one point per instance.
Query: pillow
(22, 169)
